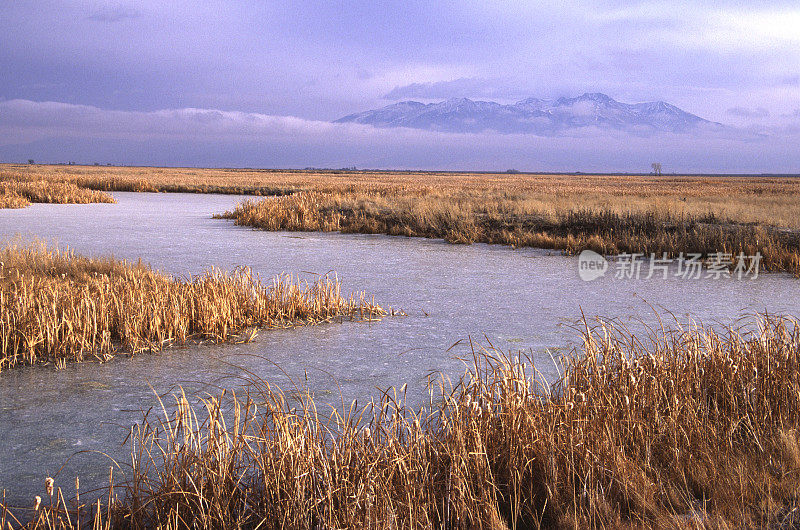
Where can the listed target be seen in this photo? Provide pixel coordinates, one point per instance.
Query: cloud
(743, 112)
(324, 60)
(23, 120)
(495, 89)
(114, 13)
(56, 131)
(756, 28)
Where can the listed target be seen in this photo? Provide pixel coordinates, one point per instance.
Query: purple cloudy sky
(255, 83)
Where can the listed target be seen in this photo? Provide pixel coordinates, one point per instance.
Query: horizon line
(400, 170)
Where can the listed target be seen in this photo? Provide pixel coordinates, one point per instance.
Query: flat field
(767, 200)
(610, 214)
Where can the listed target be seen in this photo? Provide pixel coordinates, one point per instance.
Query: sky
(256, 83)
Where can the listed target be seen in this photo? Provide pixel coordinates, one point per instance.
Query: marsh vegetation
(469, 219)
(678, 429)
(19, 191)
(685, 428)
(58, 307)
(607, 213)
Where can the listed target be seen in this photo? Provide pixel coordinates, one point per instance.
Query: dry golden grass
(460, 219)
(57, 307)
(606, 213)
(677, 429)
(12, 200)
(19, 191)
(763, 200)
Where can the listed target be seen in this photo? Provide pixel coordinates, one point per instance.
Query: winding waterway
(525, 299)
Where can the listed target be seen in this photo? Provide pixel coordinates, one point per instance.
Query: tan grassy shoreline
(679, 429)
(469, 219)
(746, 199)
(18, 191)
(607, 213)
(56, 307)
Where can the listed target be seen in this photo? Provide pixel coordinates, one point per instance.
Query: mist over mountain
(535, 116)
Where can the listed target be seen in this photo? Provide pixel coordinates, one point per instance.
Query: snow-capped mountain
(537, 116)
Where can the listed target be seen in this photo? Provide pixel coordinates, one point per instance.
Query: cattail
(49, 483)
(37, 501)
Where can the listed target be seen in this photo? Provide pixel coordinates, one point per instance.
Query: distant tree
(512, 171)
(30, 161)
(656, 168)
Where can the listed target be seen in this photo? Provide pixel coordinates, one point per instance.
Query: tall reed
(58, 307)
(675, 429)
(758, 199)
(12, 200)
(464, 219)
(19, 193)
(571, 212)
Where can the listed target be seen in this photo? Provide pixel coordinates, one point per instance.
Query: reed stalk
(464, 219)
(670, 429)
(18, 193)
(571, 212)
(59, 307)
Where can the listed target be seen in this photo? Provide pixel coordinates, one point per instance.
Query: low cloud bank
(59, 132)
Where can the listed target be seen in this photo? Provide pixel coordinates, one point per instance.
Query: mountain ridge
(533, 116)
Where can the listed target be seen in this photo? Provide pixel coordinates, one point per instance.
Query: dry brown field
(57, 307)
(689, 429)
(610, 214)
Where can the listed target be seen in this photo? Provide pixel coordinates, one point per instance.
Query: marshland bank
(16, 192)
(525, 299)
(666, 429)
(58, 307)
(607, 213)
(175, 232)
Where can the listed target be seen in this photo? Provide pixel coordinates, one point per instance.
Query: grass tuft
(19, 193)
(479, 220)
(678, 429)
(58, 307)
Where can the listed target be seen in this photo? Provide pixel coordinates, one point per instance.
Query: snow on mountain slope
(532, 115)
